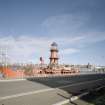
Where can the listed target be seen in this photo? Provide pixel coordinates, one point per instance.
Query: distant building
(54, 54)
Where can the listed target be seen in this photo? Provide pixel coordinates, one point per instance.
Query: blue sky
(28, 27)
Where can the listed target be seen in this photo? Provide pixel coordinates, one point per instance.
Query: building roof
(54, 44)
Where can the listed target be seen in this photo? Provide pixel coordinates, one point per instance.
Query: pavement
(48, 90)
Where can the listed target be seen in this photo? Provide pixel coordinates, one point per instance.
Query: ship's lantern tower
(54, 54)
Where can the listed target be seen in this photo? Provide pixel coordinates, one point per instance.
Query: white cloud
(93, 37)
(23, 48)
(65, 24)
(26, 49)
(73, 26)
(65, 20)
(69, 51)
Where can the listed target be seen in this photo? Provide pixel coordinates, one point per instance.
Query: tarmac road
(47, 91)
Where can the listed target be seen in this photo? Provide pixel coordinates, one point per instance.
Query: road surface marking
(44, 90)
(12, 80)
(24, 94)
(62, 102)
